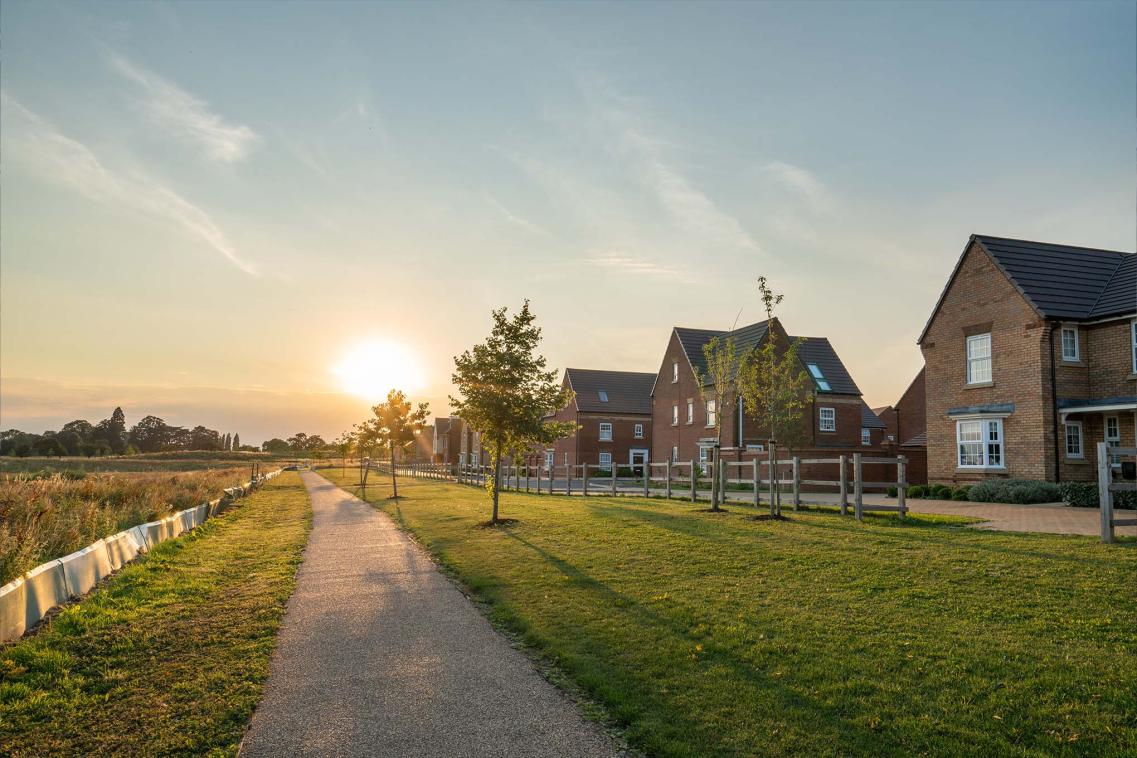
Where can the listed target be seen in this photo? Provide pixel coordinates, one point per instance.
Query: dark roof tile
(627, 391)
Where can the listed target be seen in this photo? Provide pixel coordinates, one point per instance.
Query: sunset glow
(371, 369)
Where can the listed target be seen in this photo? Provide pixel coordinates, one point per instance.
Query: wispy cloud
(54, 156)
(801, 182)
(514, 219)
(185, 116)
(634, 264)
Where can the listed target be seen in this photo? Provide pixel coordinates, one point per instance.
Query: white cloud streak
(634, 264)
(801, 182)
(514, 219)
(55, 157)
(186, 117)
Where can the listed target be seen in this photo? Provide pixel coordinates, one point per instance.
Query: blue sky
(206, 204)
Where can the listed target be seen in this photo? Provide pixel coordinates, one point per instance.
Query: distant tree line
(297, 443)
(111, 437)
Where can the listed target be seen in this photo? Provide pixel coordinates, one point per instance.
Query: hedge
(1018, 491)
(1085, 495)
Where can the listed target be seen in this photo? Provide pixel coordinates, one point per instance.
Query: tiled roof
(1061, 281)
(869, 420)
(817, 350)
(627, 391)
(920, 440)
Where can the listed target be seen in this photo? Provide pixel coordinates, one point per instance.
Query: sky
(208, 211)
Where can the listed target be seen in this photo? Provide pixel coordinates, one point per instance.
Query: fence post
(724, 480)
(902, 484)
(584, 478)
(538, 478)
(568, 479)
(1105, 497)
(647, 478)
(526, 477)
(843, 462)
(694, 495)
(613, 472)
(667, 491)
(757, 479)
(858, 487)
(797, 482)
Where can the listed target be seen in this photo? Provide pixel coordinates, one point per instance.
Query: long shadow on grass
(680, 522)
(807, 709)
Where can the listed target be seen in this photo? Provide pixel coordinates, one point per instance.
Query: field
(45, 515)
(704, 634)
(142, 463)
(170, 656)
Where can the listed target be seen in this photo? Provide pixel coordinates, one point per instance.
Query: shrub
(1085, 495)
(961, 493)
(939, 492)
(891, 491)
(916, 491)
(1019, 491)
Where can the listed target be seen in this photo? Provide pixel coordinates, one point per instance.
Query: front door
(637, 457)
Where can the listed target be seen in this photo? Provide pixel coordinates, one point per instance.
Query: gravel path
(380, 655)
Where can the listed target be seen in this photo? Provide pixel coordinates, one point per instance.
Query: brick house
(613, 412)
(905, 421)
(447, 439)
(1031, 359)
(837, 421)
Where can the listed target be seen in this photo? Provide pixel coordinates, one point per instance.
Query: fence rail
(1107, 487)
(592, 479)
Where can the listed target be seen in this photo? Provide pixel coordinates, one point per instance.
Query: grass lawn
(169, 656)
(718, 634)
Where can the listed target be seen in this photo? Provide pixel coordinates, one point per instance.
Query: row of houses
(1030, 358)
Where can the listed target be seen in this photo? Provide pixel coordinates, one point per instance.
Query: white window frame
(690, 411)
(1074, 426)
(674, 453)
(675, 414)
(826, 419)
(605, 463)
(975, 361)
(605, 431)
(704, 456)
(1113, 440)
(1076, 355)
(985, 442)
(674, 372)
(866, 436)
(1133, 335)
(550, 457)
(638, 431)
(712, 413)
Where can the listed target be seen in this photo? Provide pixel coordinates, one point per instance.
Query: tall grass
(45, 517)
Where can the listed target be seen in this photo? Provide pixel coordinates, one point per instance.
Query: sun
(371, 369)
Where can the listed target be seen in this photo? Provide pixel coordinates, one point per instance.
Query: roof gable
(869, 419)
(627, 391)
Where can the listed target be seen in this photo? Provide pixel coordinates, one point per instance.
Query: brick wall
(1109, 353)
(981, 299)
(910, 410)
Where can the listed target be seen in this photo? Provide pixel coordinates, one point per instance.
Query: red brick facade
(629, 432)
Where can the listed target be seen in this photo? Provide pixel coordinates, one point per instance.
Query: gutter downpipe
(1054, 406)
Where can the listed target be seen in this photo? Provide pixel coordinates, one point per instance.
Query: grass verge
(721, 635)
(169, 656)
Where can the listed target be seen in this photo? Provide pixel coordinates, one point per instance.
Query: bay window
(980, 443)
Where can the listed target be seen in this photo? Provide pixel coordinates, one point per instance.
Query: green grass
(707, 634)
(169, 657)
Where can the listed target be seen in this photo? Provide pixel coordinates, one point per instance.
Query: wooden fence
(682, 479)
(1107, 487)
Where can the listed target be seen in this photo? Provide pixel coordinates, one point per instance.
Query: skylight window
(822, 383)
(603, 396)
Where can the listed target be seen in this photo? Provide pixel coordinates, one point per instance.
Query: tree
(314, 443)
(113, 431)
(775, 388)
(70, 441)
(298, 442)
(396, 423)
(343, 445)
(718, 386)
(507, 393)
(150, 435)
(202, 438)
(366, 437)
(275, 445)
(236, 441)
(49, 446)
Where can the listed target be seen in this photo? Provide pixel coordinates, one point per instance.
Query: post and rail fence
(1107, 487)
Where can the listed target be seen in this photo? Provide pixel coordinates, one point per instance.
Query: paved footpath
(379, 654)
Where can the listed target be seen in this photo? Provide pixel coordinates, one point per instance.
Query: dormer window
(603, 396)
(818, 377)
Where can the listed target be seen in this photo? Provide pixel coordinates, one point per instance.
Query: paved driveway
(380, 655)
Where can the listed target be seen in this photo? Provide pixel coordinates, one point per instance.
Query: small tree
(365, 437)
(395, 425)
(718, 386)
(507, 393)
(775, 389)
(343, 444)
(236, 441)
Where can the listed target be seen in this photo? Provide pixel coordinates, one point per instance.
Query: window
(979, 358)
(712, 416)
(638, 431)
(548, 460)
(675, 454)
(1074, 439)
(866, 436)
(755, 448)
(1070, 343)
(690, 411)
(827, 419)
(675, 414)
(603, 396)
(674, 372)
(606, 432)
(980, 443)
(1113, 437)
(704, 456)
(818, 377)
(1133, 333)
(606, 460)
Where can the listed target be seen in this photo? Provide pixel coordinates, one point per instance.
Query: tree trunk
(394, 481)
(496, 479)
